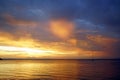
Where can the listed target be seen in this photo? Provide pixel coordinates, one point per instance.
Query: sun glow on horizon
(25, 49)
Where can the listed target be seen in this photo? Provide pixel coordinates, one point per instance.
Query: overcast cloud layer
(86, 25)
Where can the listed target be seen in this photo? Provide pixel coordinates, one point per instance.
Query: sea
(59, 69)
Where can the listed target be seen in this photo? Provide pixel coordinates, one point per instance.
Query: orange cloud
(17, 22)
(73, 41)
(109, 45)
(62, 28)
(101, 40)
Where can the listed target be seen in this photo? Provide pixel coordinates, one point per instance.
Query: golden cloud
(27, 47)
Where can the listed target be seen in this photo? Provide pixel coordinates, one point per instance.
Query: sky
(60, 29)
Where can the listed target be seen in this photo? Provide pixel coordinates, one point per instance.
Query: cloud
(109, 45)
(20, 23)
(80, 26)
(62, 28)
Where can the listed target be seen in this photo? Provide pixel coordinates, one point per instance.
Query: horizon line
(57, 59)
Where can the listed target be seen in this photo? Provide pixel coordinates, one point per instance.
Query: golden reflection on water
(45, 69)
(58, 70)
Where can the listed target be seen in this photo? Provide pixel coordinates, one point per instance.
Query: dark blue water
(59, 70)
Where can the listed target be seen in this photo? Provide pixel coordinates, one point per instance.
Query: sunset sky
(60, 29)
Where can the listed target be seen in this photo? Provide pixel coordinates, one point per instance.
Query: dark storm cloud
(100, 12)
(106, 13)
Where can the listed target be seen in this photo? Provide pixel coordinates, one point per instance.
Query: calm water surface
(59, 70)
